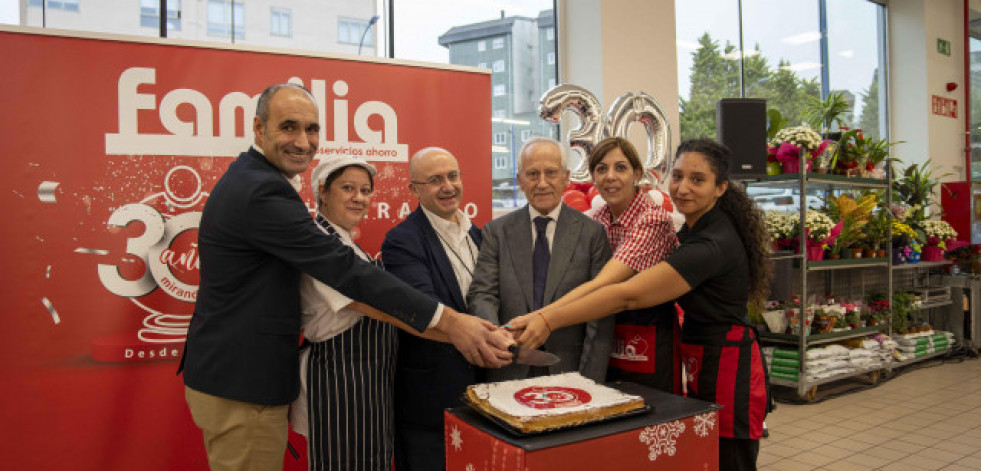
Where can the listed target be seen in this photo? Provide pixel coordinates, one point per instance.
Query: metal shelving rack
(808, 389)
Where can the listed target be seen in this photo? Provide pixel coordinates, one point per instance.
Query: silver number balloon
(587, 108)
(642, 108)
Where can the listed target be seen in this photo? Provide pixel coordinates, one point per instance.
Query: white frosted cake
(548, 402)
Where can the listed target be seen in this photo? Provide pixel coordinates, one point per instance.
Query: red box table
(678, 434)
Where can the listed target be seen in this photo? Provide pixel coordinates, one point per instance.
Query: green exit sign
(943, 46)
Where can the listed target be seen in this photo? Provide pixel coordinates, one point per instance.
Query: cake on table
(550, 402)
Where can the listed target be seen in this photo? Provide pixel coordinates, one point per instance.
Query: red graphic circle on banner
(551, 397)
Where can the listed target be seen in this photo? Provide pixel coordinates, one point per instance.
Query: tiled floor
(926, 418)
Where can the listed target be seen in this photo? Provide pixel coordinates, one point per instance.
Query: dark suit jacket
(255, 239)
(430, 376)
(503, 287)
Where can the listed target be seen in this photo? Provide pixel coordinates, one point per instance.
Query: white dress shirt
(549, 229)
(459, 247)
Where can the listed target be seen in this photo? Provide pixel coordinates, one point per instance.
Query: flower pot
(856, 253)
(815, 253)
(868, 253)
(846, 254)
(834, 256)
(881, 253)
(932, 253)
(774, 168)
(897, 256)
(776, 321)
(913, 258)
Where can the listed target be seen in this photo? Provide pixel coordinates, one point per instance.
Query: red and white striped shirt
(642, 236)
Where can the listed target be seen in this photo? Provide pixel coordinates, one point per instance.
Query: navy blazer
(430, 376)
(256, 237)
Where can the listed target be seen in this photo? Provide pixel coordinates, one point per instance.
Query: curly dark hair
(745, 215)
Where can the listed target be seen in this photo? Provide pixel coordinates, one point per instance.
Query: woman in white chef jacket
(347, 370)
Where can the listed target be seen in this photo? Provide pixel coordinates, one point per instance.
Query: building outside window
(349, 31)
(498, 43)
(500, 90)
(550, 34)
(500, 138)
(150, 14)
(525, 135)
(221, 19)
(281, 22)
(481, 46)
(482, 65)
(500, 161)
(550, 58)
(499, 65)
(500, 114)
(67, 5)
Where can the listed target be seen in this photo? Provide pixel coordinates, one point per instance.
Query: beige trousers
(239, 436)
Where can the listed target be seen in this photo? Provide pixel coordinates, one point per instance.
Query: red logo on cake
(551, 397)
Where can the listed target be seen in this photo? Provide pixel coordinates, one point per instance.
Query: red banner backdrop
(110, 146)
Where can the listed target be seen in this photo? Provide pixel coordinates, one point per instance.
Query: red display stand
(678, 434)
(961, 202)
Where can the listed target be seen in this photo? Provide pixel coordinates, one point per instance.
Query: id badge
(634, 347)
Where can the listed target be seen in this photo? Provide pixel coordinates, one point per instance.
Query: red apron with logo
(723, 364)
(646, 348)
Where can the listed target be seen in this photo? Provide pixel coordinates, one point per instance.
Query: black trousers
(738, 454)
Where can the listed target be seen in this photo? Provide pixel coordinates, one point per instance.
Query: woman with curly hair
(720, 266)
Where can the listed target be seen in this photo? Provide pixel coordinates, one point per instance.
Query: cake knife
(530, 356)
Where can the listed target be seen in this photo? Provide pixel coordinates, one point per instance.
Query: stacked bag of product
(870, 353)
(920, 344)
(820, 362)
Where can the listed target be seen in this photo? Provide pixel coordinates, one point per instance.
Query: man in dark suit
(240, 361)
(434, 250)
(536, 254)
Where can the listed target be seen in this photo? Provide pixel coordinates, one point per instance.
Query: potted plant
(914, 189)
(840, 324)
(827, 114)
(937, 233)
(790, 144)
(902, 303)
(851, 318)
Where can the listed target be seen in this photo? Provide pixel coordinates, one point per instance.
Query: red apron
(723, 365)
(646, 348)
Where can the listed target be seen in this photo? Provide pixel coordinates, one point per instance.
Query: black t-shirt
(712, 259)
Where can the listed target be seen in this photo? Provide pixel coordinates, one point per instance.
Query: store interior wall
(612, 47)
(918, 73)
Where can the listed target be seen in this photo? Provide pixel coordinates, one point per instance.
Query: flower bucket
(932, 253)
(913, 258)
(815, 253)
(776, 321)
(794, 320)
(793, 166)
(774, 168)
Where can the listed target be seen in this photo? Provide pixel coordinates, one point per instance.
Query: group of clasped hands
(498, 350)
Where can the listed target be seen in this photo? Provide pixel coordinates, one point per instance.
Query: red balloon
(576, 200)
(591, 193)
(571, 186)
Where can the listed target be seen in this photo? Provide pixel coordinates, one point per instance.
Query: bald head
(436, 182)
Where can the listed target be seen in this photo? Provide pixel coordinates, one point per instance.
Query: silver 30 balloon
(625, 110)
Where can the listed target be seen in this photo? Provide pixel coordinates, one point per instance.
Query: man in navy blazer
(434, 250)
(240, 363)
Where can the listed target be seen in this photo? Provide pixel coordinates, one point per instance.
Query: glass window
(782, 61)
(211, 20)
(525, 135)
(482, 65)
(150, 14)
(550, 58)
(221, 18)
(280, 22)
(515, 45)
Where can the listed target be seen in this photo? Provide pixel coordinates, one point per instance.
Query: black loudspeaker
(740, 124)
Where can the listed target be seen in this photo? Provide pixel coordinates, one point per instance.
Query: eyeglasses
(440, 180)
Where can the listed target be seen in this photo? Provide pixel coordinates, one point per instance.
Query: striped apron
(350, 406)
